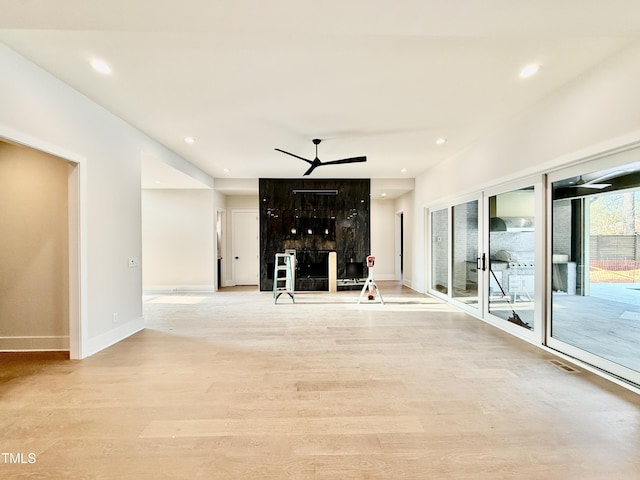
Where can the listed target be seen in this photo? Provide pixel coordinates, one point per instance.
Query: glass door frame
(604, 161)
(537, 333)
(429, 251)
(477, 309)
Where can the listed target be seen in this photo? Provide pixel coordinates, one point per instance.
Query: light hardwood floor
(231, 386)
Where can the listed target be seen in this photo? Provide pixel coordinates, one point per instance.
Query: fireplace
(299, 215)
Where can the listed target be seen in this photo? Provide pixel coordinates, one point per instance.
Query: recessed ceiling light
(100, 66)
(529, 70)
(404, 170)
(157, 182)
(226, 170)
(189, 140)
(441, 141)
(383, 195)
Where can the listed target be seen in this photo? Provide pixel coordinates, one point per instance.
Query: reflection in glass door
(466, 268)
(511, 292)
(440, 251)
(595, 269)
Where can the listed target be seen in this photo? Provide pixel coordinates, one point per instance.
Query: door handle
(237, 258)
(481, 262)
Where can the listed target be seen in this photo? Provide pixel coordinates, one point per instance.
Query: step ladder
(283, 276)
(370, 285)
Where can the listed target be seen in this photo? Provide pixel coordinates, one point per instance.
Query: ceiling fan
(582, 183)
(316, 161)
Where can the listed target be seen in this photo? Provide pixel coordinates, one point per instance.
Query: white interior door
(245, 249)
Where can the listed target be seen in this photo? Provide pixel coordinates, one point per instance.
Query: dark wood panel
(313, 217)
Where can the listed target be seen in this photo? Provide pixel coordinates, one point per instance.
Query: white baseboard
(34, 343)
(383, 277)
(105, 340)
(178, 288)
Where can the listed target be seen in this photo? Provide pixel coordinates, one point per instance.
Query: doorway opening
(220, 248)
(399, 246)
(246, 250)
(42, 248)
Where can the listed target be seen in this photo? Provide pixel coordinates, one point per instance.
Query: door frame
(221, 246)
(77, 241)
(399, 246)
(536, 334)
(429, 251)
(233, 243)
(609, 159)
(477, 310)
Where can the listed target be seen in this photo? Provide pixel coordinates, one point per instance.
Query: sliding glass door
(455, 266)
(439, 252)
(594, 279)
(514, 247)
(486, 255)
(467, 264)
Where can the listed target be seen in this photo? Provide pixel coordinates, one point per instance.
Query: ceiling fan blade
(311, 169)
(597, 186)
(606, 176)
(294, 155)
(346, 160)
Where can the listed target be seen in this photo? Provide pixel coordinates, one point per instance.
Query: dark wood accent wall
(314, 217)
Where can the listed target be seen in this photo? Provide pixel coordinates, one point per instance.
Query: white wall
(596, 112)
(40, 111)
(382, 215)
(405, 204)
(178, 227)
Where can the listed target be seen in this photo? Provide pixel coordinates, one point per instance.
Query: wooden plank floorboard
(233, 386)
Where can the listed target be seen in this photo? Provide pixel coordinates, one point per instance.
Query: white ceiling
(378, 78)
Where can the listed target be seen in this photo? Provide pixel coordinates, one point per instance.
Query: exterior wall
(561, 227)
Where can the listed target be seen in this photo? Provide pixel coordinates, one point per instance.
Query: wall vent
(563, 366)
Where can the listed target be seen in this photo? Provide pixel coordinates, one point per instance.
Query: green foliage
(610, 212)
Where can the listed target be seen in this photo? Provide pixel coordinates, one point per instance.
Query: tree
(628, 213)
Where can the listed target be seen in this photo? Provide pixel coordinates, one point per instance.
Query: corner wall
(41, 111)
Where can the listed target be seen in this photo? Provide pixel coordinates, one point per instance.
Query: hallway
(233, 386)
